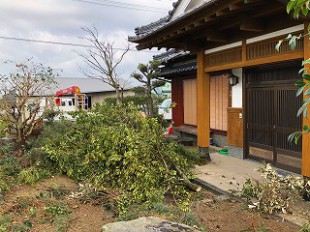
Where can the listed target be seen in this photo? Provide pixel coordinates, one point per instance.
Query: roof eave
(142, 39)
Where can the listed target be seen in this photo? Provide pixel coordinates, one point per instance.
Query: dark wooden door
(271, 108)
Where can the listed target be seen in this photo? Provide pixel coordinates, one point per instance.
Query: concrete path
(228, 173)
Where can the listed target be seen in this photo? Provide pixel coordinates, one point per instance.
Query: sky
(62, 20)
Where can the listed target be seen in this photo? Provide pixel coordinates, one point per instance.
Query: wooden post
(203, 103)
(306, 137)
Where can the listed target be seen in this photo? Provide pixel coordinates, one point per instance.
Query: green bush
(139, 100)
(3, 185)
(114, 146)
(3, 127)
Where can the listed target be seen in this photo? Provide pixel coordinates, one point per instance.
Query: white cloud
(61, 20)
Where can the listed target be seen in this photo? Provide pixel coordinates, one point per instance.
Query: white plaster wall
(180, 9)
(276, 33)
(185, 6)
(236, 91)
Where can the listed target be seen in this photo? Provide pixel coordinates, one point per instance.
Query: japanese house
(228, 79)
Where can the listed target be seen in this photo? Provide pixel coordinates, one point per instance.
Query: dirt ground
(24, 208)
(26, 203)
(219, 213)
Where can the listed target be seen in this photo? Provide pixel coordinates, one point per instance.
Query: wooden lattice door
(271, 108)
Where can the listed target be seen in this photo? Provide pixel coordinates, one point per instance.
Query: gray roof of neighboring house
(86, 85)
(170, 55)
(176, 62)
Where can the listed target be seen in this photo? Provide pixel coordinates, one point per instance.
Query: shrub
(114, 146)
(3, 185)
(32, 175)
(3, 128)
(140, 101)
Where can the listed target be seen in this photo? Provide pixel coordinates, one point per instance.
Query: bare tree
(103, 60)
(21, 100)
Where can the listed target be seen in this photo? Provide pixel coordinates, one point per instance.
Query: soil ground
(25, 207)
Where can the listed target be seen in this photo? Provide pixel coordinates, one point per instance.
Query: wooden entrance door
(271, 108)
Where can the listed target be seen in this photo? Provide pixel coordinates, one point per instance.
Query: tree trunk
(118, 97)
(149, 99)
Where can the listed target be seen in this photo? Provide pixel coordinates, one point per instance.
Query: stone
(147, 224)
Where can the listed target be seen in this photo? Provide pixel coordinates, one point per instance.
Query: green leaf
(306, 76)
(306, 62)
(292, 43)
(307, 92)
(300, 90)
(300, 83)
(278, 46)
(290, 6)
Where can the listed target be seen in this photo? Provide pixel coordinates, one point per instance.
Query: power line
(122, 6)
(129, 4)
(61, 43)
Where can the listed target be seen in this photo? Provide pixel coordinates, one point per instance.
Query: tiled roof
(186, 67)
(143, 31)
(170, 55)
(147, 29)
(176, 62)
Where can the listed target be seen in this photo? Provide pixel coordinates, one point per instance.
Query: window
(63, 103)
(190, 101)
(219, 102)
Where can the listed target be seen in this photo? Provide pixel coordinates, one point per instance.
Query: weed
(5, 219)
(6, 149)
(57, 210)
(190, 219)
(3, 187)
(160, 208)
(10, 165)
(5, 222)
(23, 203)
(32, 175)
(62, 223)
(127, 216)
(192, 155)
(305, 228)
(32, 212)
(249, 190)
(262, 228)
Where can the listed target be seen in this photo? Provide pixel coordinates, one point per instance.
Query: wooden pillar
(306, 137)
(177, 97)
(203, 102)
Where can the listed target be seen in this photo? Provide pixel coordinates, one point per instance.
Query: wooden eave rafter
(211, 17)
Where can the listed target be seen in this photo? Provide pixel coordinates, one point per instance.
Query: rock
(147, 224)
(207, 201)
(223, 198)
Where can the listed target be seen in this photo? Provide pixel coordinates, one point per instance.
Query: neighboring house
(164, 90)
(95, 89)
(231, 81)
